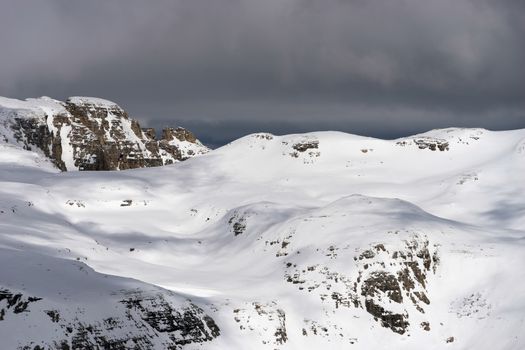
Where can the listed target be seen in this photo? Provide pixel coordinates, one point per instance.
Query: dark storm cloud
(229, 67)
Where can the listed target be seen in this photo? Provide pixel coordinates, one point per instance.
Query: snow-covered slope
(87, 133)
(320, 240)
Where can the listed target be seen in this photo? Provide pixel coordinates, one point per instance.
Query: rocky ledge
(87, 133)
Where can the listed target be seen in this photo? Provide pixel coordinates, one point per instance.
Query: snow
(67, 149)
(189, 149)
(31, 107)
(222, 228)
(95, 101)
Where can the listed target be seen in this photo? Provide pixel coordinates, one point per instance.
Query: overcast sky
(225, 68)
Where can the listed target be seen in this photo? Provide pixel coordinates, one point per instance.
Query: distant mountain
(86, 133)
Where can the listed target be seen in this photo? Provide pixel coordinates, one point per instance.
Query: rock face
(14, 302)
(143, 318)
(92, 134)
(389, 283)
(113, 313)
(425, 142)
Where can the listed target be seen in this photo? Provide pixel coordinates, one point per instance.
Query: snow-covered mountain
(323, 240)
(87, 133)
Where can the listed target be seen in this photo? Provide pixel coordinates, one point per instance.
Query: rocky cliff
(87, 133)
(108, 312)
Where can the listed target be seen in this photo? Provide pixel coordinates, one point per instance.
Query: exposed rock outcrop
(306, 148)
(390, 284)
(265, 321)
(146, 321)
(425, 142)
(92, 134)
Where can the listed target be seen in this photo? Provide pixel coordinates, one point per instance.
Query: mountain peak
(89, 133)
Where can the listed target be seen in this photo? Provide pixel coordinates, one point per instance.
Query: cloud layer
(229, 67)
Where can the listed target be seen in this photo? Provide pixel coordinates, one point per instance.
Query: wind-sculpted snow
(311, 241)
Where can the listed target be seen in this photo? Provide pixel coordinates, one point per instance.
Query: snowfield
(323, 240)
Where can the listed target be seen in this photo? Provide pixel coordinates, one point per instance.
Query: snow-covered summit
(29, 108)
(95, 102)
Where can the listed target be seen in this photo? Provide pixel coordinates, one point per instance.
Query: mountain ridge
(86, 133)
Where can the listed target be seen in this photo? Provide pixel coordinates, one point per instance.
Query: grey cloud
(234, 66)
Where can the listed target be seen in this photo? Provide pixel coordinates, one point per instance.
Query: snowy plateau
(323, 240)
